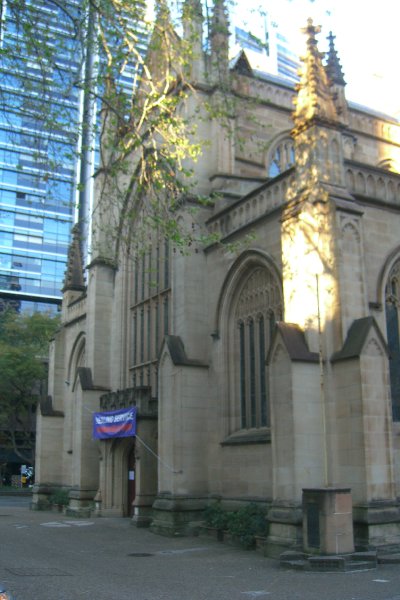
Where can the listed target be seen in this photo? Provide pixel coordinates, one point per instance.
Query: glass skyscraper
(270, 47)
(38, 153)
(40, 147)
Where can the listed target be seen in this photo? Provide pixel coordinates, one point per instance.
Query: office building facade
(267, 48)
(38, 149)
(44, 155)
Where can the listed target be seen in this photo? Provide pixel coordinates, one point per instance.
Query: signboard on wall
(114, 424)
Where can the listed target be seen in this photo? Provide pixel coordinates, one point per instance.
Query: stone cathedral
(262, 368)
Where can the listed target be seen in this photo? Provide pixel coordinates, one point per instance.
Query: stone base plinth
(356, 561)
(41, 495)
(81, 503)
(328, 520)
(377, 525)
(142, 516)
(285, 529)
(174, 515)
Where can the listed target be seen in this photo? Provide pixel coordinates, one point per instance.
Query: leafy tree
(146, 139)
(24, 341)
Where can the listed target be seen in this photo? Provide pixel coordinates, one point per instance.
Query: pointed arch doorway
(118, 476)
(128, 473)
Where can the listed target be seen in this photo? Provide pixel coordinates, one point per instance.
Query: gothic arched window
(392, 301)
(257, 308)
(282, 158)
(149, 309)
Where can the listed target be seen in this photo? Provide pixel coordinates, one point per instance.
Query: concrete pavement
(48, 556)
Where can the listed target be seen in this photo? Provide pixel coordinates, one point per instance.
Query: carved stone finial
(74, 279)
(219, 31)
(333, 66)
(314, 99)
(220, 40)
(220, 20)
(192, 21)
(311, 30)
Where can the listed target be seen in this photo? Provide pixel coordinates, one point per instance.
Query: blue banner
(114, 424)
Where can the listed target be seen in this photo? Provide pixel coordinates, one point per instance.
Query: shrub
(60, 497)
(215, 516)
(246, 523)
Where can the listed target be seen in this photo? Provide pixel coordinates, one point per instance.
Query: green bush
(215, 516)
(60, 497)
(246, 523)
(243, 524)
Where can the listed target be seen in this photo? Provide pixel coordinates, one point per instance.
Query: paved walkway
(48, 556)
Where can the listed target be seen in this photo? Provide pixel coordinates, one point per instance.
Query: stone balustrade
(376, 184)
(252, 206)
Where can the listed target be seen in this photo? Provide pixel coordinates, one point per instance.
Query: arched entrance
(118, 476)
(128, 473)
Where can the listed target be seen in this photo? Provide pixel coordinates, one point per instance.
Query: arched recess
(361, 185)
(76, 359)
(250, 304)
(116, 477)
(388, 263)
(350, 181)
(72, 397)
(389, 294)
(248, 259)
(392, 313)
(334, 158)
(280, 156)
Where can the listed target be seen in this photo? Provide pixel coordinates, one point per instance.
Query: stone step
(389, 559)
(358, 561)
(296, 565)
(370, 556)
(360, 565)
(327, 563)
(293, 555)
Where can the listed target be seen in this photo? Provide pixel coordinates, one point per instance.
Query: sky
(367, 41)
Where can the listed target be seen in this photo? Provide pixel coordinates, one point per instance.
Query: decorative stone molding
(138, 396)
(47, 410)
(379, 184)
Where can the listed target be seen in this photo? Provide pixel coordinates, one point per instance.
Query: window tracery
(150, 311)
(257, 308)
(392, 301)
(282, 158)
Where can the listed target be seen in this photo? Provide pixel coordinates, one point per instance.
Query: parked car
(5, 594)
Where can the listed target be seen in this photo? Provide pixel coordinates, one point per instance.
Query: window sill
(248, 436)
